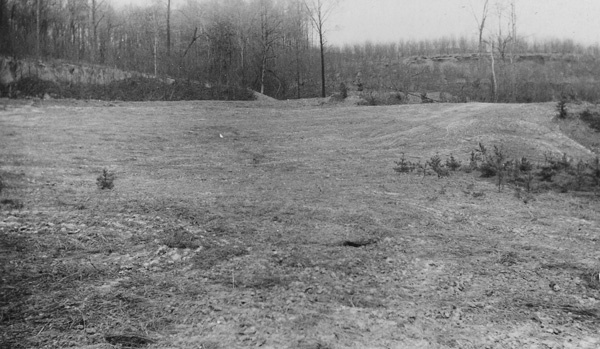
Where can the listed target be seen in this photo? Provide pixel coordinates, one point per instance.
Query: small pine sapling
(502, 173)
(476, 157)
(525, 165)
(473, 162)
(526, 168)
(552, 167)
(580, 174)
(595, 174)
(548, 170)
(403, 166)
(491, 163)
(482, 149)
(452, 163)
(561, 108)
(435, 162)
(421, 168)
(105, 180)
(496, 164)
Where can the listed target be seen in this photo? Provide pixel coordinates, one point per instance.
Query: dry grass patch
(290, 228)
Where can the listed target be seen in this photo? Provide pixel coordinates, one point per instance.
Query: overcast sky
(356, 21)
(388, 20)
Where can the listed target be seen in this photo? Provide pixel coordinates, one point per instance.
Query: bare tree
(481, 22)
(269, 33)
(296, 30)
(155, 46)
(513, 26)
(93, 33)
(503, 39)
(494, 79)
(168, 28)
(94, 22)
(319, 12)
(5, 42)
(37, 28)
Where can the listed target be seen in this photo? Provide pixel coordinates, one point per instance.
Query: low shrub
(591, 118)
(343, 90)
(373, 98)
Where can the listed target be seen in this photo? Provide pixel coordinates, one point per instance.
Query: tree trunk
(94, 32)
(37, 29)
(494, 81)
(322, 46)
(155, 53)
(263, 68)
(297, 69)
(4, 29)
(168, 28)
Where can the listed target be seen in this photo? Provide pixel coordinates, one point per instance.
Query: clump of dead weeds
(212, 255)
(8, 180)
(180, 238)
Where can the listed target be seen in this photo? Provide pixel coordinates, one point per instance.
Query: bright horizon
(388, 21)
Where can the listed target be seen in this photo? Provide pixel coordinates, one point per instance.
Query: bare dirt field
(283, 225)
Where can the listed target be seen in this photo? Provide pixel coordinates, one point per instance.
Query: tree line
(277, 47)
(268, 45)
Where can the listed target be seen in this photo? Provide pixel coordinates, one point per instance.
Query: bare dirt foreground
(283, 225)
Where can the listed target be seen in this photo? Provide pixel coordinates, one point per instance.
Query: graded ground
(283, 225)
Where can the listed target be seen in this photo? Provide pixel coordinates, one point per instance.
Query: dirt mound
(262, 97)
(522, 130)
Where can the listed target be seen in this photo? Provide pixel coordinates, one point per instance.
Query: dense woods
(279, 47)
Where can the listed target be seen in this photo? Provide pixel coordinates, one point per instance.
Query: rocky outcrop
(12, 70)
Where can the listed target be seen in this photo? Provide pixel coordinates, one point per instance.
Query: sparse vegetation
(370, 98)
(179, 237)
(520, 172)
(133, 89)
(215, 254)
(202, 245)
(11, 204)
